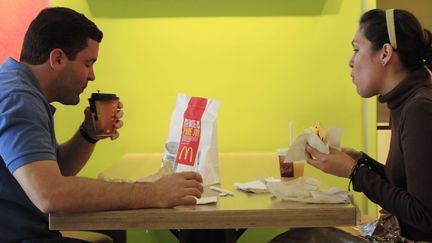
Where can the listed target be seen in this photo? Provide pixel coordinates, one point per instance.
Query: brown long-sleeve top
(403, 186)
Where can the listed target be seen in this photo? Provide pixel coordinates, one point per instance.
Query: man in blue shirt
(37, 175)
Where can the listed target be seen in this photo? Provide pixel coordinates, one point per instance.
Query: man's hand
(337, 162)
(89, 124)
(176, 189)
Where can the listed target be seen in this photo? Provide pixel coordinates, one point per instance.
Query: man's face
(367, 72)
(73, 79)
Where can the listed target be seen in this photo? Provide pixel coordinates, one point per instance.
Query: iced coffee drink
(289, 170)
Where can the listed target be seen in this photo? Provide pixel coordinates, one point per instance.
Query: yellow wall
(265, 70)
(268, 62)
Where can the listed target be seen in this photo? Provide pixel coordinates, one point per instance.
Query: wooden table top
(243, 210)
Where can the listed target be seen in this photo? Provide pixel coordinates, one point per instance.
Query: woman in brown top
(392, 55)
(391, 59)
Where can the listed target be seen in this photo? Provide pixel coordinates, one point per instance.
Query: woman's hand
(337, 163)
(356, 155)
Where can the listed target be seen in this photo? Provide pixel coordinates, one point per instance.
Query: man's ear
(57, 59)
(386, 53)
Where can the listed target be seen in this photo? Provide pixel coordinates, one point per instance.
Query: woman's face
(367, 70)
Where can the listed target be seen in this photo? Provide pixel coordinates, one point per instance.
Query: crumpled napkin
(296, 150)
(306, 189)
(258, 186)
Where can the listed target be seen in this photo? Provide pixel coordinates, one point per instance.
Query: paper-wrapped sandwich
(317, 137)
(319, 131)
(292, 164)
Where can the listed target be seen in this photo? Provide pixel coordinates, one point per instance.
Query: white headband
(391, 27)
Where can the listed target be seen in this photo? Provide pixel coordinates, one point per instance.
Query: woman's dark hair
(414, 44)
(61, 28)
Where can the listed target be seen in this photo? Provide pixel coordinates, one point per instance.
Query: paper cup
(291, 170)
(281, 154)
(104, 109)
(298, 168)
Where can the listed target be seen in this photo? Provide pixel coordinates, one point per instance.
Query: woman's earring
(383, 62)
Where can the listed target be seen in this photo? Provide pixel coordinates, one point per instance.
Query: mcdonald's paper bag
(192, 143)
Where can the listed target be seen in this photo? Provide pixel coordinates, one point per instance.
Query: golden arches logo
(185, 151)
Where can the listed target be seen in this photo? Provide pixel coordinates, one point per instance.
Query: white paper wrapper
(297, 150)
(258, 186)
(306, 190)
(207, 200)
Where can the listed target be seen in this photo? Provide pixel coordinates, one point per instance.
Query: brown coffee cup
(104, 108)
(289, 170)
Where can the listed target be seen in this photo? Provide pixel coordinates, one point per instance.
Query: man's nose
(91, 75)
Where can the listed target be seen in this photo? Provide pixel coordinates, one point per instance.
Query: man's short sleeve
(26, 130)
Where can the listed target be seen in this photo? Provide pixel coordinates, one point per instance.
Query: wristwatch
(86, 136)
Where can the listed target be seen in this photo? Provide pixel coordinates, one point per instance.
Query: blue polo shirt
(26, 135)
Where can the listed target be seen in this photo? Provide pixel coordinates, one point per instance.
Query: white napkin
(296, 151)
(257, 186)
(207, 200)
(222, 192)
(305, 189)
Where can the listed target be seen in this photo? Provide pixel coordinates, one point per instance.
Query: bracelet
(362, 162)
(86, 136)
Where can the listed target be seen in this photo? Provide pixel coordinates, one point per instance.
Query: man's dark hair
(61, 28)
(414, 44)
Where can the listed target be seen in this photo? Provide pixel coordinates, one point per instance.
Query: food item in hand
(319, 131)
